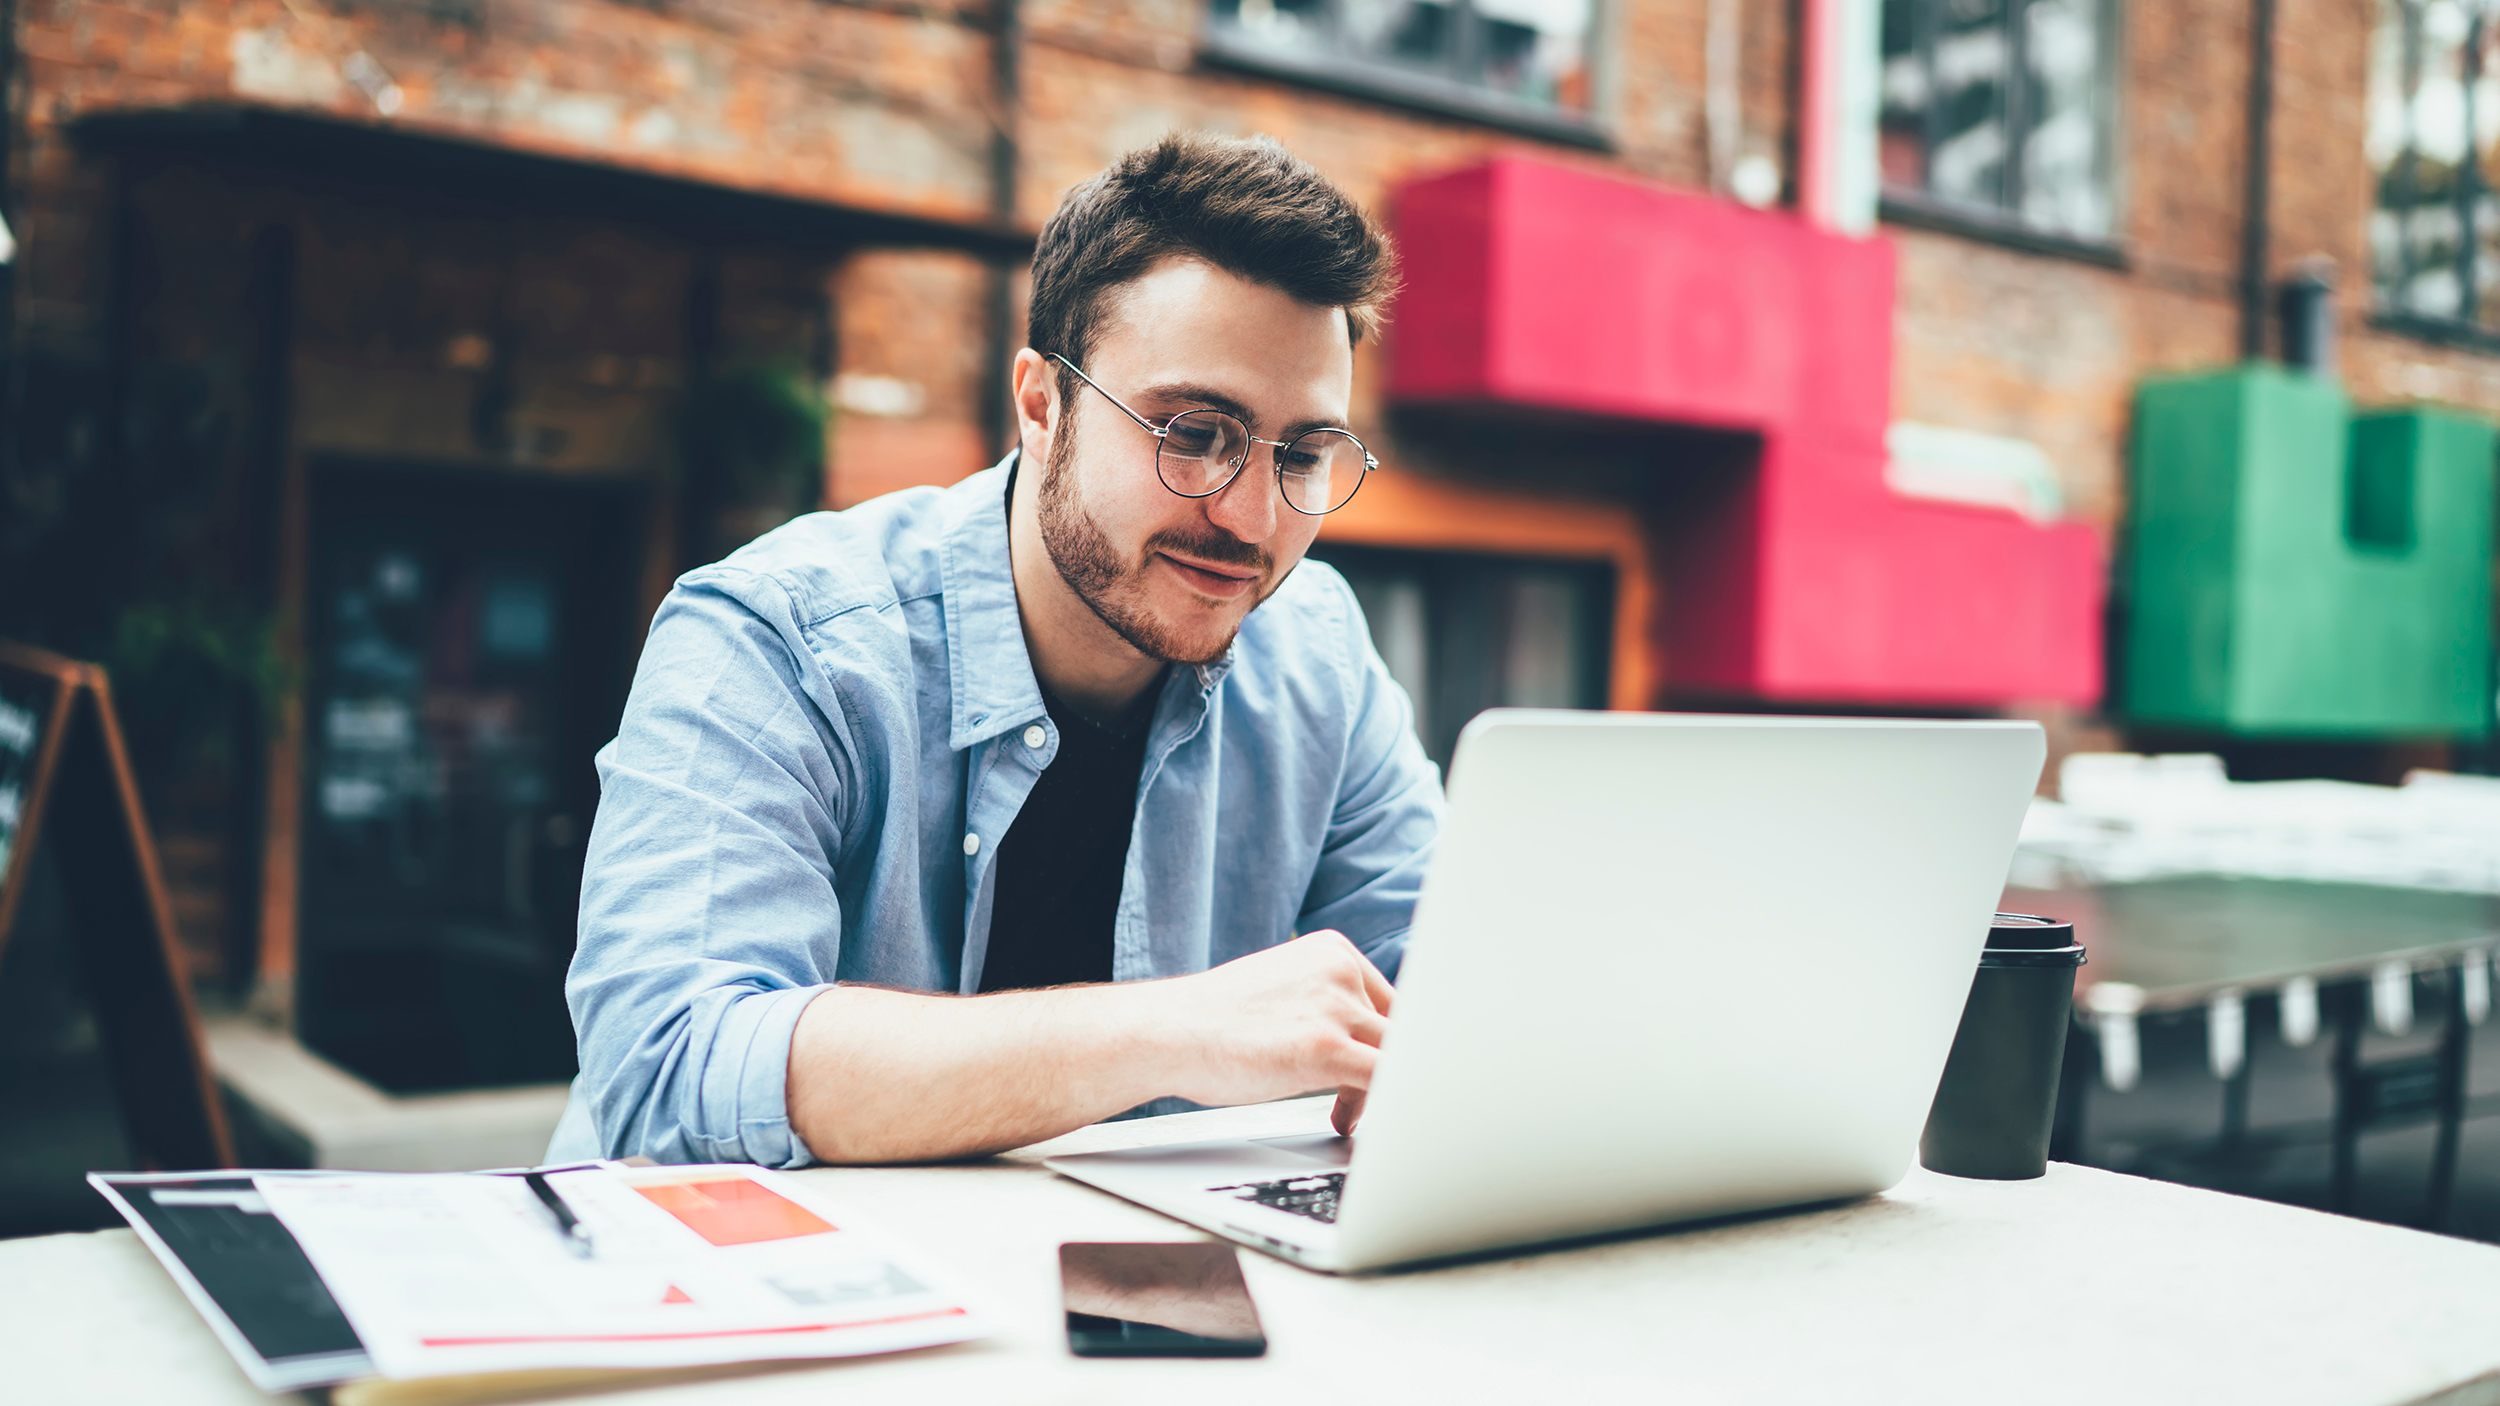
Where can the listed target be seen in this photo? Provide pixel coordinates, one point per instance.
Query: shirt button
(972, 844)
(1034, 736)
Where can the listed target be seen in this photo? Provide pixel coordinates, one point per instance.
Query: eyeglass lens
(1203, 449)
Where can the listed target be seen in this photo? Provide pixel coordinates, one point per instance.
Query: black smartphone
(1158, 1300)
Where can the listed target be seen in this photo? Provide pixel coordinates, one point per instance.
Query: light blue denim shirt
(829, 734)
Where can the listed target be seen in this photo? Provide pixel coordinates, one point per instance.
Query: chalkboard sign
(66, 788)
(25, 724)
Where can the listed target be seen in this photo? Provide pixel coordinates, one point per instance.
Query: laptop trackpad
(1327, 1149)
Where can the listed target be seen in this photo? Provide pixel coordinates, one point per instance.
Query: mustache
(1220, 547)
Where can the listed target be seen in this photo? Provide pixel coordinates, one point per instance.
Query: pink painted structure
(1547, 292)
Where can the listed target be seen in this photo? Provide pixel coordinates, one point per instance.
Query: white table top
(2084, 1287)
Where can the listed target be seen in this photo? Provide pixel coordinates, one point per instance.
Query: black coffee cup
(1993, 1107)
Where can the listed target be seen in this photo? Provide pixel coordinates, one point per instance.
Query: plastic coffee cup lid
(2029, 940)
(2029, 930)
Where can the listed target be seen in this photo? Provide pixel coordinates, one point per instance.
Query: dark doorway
(1463, 632)
(471, 638)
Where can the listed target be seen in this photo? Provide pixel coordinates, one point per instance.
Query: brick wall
(881, 105)
(890, 106)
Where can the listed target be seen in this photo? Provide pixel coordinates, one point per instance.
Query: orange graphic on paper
(734, 1210)
(676, 1295)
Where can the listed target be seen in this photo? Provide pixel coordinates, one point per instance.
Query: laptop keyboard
(1312, 1196)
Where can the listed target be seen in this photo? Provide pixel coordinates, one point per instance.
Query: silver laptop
(1664, 967)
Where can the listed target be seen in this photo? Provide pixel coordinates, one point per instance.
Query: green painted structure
(2300, 569)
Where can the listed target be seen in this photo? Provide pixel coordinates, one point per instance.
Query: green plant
(186, 669)
(758, 433)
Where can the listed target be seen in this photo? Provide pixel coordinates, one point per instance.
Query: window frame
(1222, 46)
(2003, 222)
(1947, 217)
(2388, 307)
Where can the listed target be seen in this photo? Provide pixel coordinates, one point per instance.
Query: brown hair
(1247, 206)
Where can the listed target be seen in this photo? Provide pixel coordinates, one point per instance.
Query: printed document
(688, 1266)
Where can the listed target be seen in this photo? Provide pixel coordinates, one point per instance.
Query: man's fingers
(1348, 1111)
(1349, 1066)
(1369, 1027)
(1375, 986)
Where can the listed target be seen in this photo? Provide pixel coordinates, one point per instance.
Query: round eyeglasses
(1201, 451)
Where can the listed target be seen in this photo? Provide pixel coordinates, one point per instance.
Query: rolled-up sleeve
(1387, 813)
(709, 916)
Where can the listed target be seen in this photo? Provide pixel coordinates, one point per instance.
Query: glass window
(1520, 56)
(2434, 124)
(471, 637)
(2001, 108)
(1463, 633)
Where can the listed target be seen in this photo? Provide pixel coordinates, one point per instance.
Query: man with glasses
(966, 817)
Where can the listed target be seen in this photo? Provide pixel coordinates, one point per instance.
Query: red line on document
(673, 1337)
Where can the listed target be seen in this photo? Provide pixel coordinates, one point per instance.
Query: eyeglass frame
(1160, 431)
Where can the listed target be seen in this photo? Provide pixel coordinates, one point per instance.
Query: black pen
(576, 1239)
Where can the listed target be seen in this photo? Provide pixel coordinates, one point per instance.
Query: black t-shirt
(1059, 868)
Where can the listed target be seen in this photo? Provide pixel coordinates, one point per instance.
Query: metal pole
(2349, 1000)
(2453, 1062)
(2253, 227)
(2467, 186)
(1818, 110)
(2235, 1109)
(1007, 95)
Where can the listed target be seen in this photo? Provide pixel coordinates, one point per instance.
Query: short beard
(1109, 588)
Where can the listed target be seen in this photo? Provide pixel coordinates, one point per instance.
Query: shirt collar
(992, 675)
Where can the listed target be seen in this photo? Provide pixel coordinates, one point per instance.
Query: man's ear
(1036, 393)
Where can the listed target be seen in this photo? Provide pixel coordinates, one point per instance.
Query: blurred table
(2082, 1287)
(2345, 956)
(2181, 941)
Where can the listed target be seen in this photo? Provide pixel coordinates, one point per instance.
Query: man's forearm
(896, 1076)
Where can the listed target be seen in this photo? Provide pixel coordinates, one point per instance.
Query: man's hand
(1308, 1014)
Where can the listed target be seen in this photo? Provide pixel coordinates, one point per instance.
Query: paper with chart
(692, 1265)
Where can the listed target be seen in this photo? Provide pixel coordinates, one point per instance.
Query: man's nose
(1247, 507)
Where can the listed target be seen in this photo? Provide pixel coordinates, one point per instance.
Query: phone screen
(1158, 1300)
